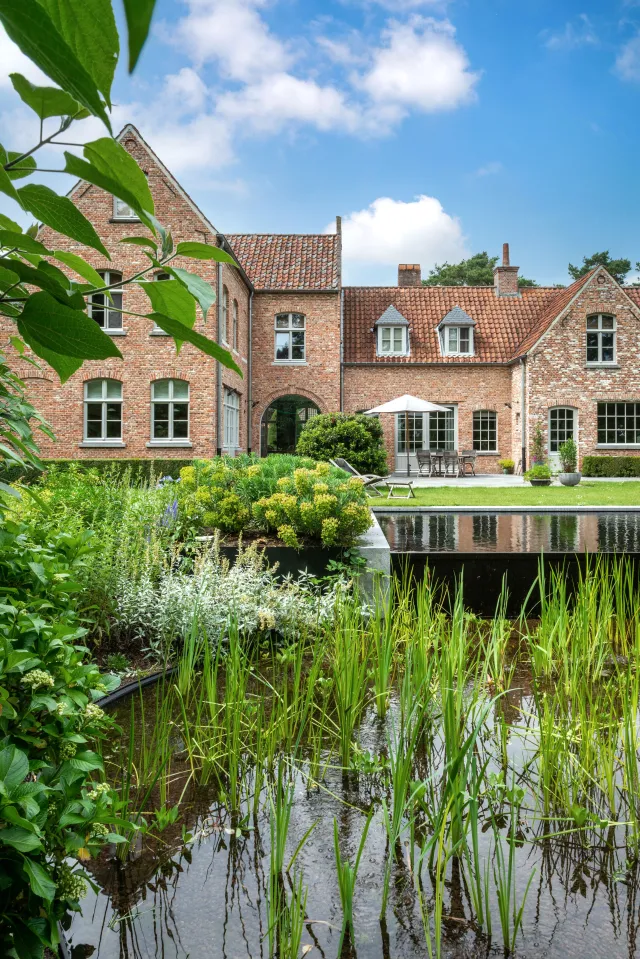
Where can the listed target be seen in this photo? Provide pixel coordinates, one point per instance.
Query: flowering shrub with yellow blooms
(289, 496)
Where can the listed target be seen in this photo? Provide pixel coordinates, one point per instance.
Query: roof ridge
(328, 236)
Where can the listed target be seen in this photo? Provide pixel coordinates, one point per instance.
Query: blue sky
(435, 128)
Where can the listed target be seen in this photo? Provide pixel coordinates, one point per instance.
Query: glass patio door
(427, 431)
(562, 427)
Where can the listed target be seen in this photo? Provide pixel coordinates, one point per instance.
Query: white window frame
(122, 211)
(599, 331)
(484, 428)
(160, 277)
(103, 439)
(224, 323)
(231, 406)
(395, 348)
(234, 325)
(109, 309)
(170, 440)
(290, 329)
(446, 341)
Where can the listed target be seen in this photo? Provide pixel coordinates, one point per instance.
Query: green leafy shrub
(568, 453)
(539, 472)
(51, 808)
(357, 438)
(611, 466)
(507, 465)
(538, 451)
(137, 471)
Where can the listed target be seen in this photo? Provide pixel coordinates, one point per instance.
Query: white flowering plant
(53, 802)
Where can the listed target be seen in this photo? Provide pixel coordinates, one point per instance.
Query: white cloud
(390, 231)
(577, 33)
(420, 65)
(232, 33)
(627, 64)
(14, 61)
(186, 91)
(490, 169)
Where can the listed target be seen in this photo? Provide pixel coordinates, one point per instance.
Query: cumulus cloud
(575, 33)
(627, 64)
(420, 65)
(389, 231)
(14, 61)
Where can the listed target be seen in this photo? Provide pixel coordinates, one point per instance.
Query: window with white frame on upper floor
(106, 308)
(290, 338)
(393, 340)
(601, 339)
(231, 404)
(102, 411)
(170, 411)
(122, 210)
(224, 323)
(234, 325)
(457, 340)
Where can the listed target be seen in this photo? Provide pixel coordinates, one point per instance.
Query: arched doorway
(282, 423)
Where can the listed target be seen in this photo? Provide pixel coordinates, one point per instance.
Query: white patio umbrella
(407, 404)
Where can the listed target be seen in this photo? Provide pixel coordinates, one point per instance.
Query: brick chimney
(505, 277)
(409, 274)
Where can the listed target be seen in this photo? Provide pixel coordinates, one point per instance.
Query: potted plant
(507, 466)
(568, 453)
(539, 475)
(537, 446)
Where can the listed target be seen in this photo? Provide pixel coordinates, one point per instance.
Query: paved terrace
(492, 480)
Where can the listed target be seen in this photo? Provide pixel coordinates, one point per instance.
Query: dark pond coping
(505, 509)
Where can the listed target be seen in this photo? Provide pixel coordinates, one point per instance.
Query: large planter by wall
(570, 479)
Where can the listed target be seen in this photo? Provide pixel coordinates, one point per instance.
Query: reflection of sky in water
(512, 532)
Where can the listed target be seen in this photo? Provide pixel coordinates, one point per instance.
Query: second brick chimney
(505, 276)
(409, 274)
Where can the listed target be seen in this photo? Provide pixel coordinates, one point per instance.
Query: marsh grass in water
(482, 776)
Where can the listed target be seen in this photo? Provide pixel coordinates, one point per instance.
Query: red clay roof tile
(289, 261)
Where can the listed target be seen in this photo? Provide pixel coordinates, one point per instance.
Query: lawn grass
(586, 494)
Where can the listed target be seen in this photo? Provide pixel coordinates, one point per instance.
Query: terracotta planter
(570, 479)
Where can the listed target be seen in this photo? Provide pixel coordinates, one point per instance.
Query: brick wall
(146, 356)
(318, 379)
(557, 373)
(471, 388)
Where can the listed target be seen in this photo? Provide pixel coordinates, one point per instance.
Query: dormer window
(456, 333)
(392, 333)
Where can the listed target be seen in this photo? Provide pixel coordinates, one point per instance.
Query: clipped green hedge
(140, 468)
(611, 466)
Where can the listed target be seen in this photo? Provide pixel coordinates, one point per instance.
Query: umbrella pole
(406, 433)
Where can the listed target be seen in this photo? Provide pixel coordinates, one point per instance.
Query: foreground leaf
(172, 299)
(203, 251)
(30, 27)
(138, 14)
(111, 158)
(65, 366)
(180, 332)
(20, 241)
(203, 291)
(64, 330)
(44, 101)
(61, 215)
(81, 267)
(41, 883)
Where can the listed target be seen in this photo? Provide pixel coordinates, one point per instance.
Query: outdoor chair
(373, 482)
(451, 465)
(467, 458)
(426, 463)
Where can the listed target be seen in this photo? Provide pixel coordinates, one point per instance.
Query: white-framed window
(169, 411)
(234, 326)
(601, 339)
(159, 277)
(107, 312)
(224, 328)
(231, 404)
(122, 210)
(619, 424)
(102, 411)
(562, 420)
(392, 340)
(290, 338)
(485, 431)
(428, 431)
(457, 340)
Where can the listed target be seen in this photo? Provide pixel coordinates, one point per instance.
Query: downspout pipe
(523, 410)
(250, 377)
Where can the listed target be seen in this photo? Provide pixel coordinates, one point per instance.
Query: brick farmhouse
(501, 359)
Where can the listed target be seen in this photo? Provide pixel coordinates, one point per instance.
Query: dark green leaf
(89, 27)
(30, 27)
(45, 101)
(202, 251)
(76, 166)
(203, 291)
(25, 167)
(37, 278)
(22, 242)
(7, 278)
(6, 186)
(172, 299)
(63, 330)
(14, 768)
(18, 838)
(60, 214)
(140, 241)
(180, 333)
(8, 224)
(86, 761)
(80, 266)
(111, 158)
(41, 883)
(138, 14)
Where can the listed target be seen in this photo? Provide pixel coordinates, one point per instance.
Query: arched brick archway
(282, 422)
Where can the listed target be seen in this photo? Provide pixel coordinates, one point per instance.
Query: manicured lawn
(586, 494)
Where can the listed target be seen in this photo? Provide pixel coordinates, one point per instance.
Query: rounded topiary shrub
(355, 437)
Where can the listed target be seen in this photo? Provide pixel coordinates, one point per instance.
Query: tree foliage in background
(617, 268)
(76, 44)
(357, 438)
(476, 271)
